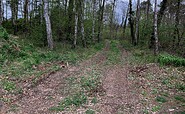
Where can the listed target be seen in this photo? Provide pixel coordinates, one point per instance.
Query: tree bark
(14, 10)
(125, 22)
(48, 25)
(176, 34)
(1, 13)
(93, 21)
(148, 9)
(156, 50)
(159, 16)
(111, 19)
(101, 12)
(137, 23)
(26, 11)
(82, 23)
(131, 22)
(71, 20)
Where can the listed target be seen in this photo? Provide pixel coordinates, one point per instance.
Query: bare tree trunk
(125, 22)
(159, 19)
(111, 19)
(14, 10)
(93, 23)
(176, 31)
(1, 13)
(82, 24)
(156, 50)
(148, 9)
(131, 21)
(137, 23)
(26, 14)
(76, 30)
(48, 25)
(26, 11)
(100, 24)
(6, 10)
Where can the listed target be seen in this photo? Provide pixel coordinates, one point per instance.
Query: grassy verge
(20, 61)
(114, 53)
(81, 91)
(139, 55)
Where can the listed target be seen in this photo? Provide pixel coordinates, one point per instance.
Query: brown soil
(122, 96)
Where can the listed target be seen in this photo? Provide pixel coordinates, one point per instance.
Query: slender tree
(159, 19)
(100, 20)
(131, 21)
(14, 10)
(125, 21)
(48, 25)
(111, 18)
(1, 13)
(82, 22)
(155, 29)
(76, 23)
(93, 20)
(137, 23)
(176, 34)
(26, 11)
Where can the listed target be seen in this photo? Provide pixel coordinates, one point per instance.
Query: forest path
(120, 94)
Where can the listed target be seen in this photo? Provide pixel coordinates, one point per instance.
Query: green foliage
(114, 54)
(76, 100)
(8, 85)
(90, 83)
(180, 98)
(3, 34)
(156, 108)
(38, 35)
(94, 100)
(161, 99)
(166, 59)
(180, 87)
(89, 111)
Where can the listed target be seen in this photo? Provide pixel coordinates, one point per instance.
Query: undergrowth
(20, 59)
(166, 59)
(114, 53)
(84, 87)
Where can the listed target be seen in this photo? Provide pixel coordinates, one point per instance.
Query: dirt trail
(121, 95)
(38, 99)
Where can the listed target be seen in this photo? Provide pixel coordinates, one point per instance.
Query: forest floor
(109, 82)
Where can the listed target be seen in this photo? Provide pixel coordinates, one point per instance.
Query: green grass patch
(156, 108)
(114, 53)
(89, 111)
(180, 87)
(161, 99)
(8, 85)
(77, 100)
(20, 59)
(166, 59)
(90, 83)
(179, 98)
(78, 96)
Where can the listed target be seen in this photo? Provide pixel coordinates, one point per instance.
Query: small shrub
(90, 83)
(76, 100)
(166, 59)
(156, 108)
(179, 98)
(9, 86)
(180, 87)
(161, 99)
(89, 111)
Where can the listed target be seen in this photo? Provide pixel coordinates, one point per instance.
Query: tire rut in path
(121, 95)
